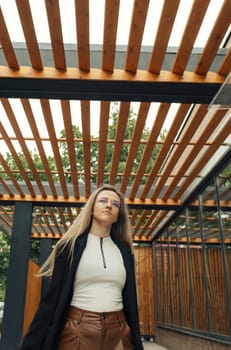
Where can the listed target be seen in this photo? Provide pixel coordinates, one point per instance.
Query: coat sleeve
(43, 318)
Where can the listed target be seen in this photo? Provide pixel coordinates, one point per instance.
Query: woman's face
(106, 208)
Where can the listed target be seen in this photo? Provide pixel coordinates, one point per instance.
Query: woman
(91, 302)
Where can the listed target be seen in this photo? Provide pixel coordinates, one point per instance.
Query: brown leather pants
(86, 330)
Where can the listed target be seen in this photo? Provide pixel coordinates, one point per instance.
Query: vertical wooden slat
(19, 136)
(156, 129)
(29, 33)
(216, 36)
(120, 131)
(51, 130)
(161, 156)
(85, 115)
(110, 31)
(70, 144)
(139, 15)
(82, 29)
(163, 34)
(191, 30)
(189, 130)
(7, 45)
(195, 151)
(55, 26)
(219, 139)
(34, 129)
(103, 130)
(136, 137)
(17, 161)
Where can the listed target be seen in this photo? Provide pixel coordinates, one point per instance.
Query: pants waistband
(79, 314)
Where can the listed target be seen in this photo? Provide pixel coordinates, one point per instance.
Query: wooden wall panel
(33, 291)
(144, 273)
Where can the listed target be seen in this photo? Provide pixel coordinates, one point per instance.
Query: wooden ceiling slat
(3, 218)
(12, 178)
(139, 15)
(216, 36)
(134, 216)
(29, 33)
(148, 223)
(82, 29)
(54, 219)
(103, 131)
(85, 115)
(27, 154)
(63, 221)
(136, 138)
(66, 110)
(53, 140)
(161, 216)
(46, 221)
(218, 141)
(174, 129)
(195, 151)
(43, 228)
(6, 188)
(190, 33)
(110, 31)
(120, 132)
(17, 161)
(55, 26)
(145, 214)
(43, 156)
(163, 34)
(6, 44)
(155, 132)
(225, 66)
(70, 215)
(178, 150)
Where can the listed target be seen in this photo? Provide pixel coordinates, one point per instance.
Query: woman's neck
(100, 231)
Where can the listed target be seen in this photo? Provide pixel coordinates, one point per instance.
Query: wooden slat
(17, 161)
(195, 151)
(54, 219)
(29, 33)
(225, 66)
(55, 26)
(12, 178)
(53, 140)
(46, 222)
(43, 228)
(163, 34)
(216, 36)
(63, 221)
(189, 131)
(120, 132)
(85, 115)
(136, 138)
(148, 223)
(219, 139)
(156, 129)
(144, 215)
(110, 31)
(27, 154)
(139, 15)
(103, 130)
(70, 144)
(6, 44)
(82, 29)
(161, 216)
(163, 153)
(190, 33)
(37, 139)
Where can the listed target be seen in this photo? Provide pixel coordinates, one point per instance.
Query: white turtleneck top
(100, 276)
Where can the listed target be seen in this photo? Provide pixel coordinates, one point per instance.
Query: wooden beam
(116, 86)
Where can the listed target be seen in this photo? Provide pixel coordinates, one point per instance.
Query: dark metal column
(17, 277)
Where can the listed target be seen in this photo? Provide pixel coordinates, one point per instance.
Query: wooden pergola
(170, 87)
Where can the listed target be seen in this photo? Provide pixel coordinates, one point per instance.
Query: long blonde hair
(82, 223)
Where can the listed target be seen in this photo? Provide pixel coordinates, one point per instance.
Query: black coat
(49, 319)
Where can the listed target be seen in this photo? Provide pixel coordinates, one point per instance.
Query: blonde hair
(82, 223)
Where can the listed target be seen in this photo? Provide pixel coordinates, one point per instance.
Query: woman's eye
(102, 200)
(115, 204)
